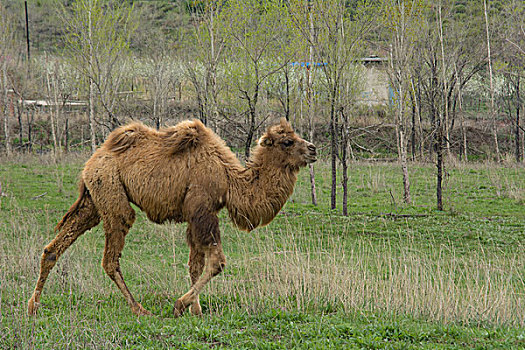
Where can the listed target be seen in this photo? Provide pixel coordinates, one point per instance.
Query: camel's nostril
(312, 149)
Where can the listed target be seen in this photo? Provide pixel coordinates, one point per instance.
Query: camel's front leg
(203, 237)
(215, 263)
(196, 266)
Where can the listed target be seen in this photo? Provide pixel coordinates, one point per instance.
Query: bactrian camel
(184, 173)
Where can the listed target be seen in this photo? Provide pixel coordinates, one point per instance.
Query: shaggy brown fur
(185, 173)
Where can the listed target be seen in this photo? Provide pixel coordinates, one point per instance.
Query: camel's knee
(48, 260)
(110, 266)
(128, 219)
(49, 255)
(119, 224)
(112, 253)
(217, 263)
(219, 267)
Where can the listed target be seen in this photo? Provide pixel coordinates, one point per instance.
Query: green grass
(311, 279)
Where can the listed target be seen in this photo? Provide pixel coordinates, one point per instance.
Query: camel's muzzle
(311, 156)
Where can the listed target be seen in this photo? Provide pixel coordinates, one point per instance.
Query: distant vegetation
(237, 65)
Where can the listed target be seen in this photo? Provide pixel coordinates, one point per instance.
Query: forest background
(446, 83)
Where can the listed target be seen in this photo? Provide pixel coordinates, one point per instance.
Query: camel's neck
(257, 193)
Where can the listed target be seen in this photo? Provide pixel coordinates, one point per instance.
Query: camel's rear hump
(185, 135)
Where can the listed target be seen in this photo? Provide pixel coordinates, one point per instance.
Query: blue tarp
(308, 64)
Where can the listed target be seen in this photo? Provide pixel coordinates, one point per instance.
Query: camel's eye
(287, 143)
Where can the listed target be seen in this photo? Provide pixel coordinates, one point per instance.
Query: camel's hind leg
(117, 217)
(116, 227)
(78, 221)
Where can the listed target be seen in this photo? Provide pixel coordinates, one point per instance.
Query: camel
(184, 173)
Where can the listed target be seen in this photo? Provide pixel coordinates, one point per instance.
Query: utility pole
(27, 32)
(27, 40)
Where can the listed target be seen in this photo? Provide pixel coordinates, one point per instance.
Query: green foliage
(96, 30)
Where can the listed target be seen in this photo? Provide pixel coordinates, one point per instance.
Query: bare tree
(310, 95)
(254, 29)
(514, 68)
(7, 43)
(97, 40)
(161, 69)
(402, 20)
(491, 79)
(294, 85)
(205, 54)
(59, 88)
(337, 43)
(447, 57)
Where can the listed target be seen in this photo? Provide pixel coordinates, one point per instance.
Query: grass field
(389, 276)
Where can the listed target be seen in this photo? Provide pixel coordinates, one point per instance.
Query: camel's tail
(83, 195)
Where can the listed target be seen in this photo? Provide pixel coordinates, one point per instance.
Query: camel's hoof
(179, 308)
(141, 311)
(144, 312)
(196, 310)
(32, 306)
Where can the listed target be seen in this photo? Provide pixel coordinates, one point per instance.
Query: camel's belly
(157, 192)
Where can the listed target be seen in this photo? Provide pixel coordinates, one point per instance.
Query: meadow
(388, 276)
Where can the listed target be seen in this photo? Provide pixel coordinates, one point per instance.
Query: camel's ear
(266, 141)
(285, 125)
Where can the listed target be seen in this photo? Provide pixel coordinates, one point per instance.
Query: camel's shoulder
(124, 137)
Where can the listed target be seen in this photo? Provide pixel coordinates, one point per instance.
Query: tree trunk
(19, 112)
(464, 135)
(401, 123)
(517, 132)
(333, 155)
(420, 124)
(313, 190)
(30, 118)
(309, 94)
(7, 136)
(52, 89)
(413, 136)
(66, 135)
(91, 88)
(402, 151)
(439, 162)
(155, 111)
(92, 116)
(444, 124)
(492, 111)
(249, 136)
(404, 167)
(463, 127)
(287, 102)
(344, 164)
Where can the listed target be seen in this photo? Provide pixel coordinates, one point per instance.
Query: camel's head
(284, 147)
